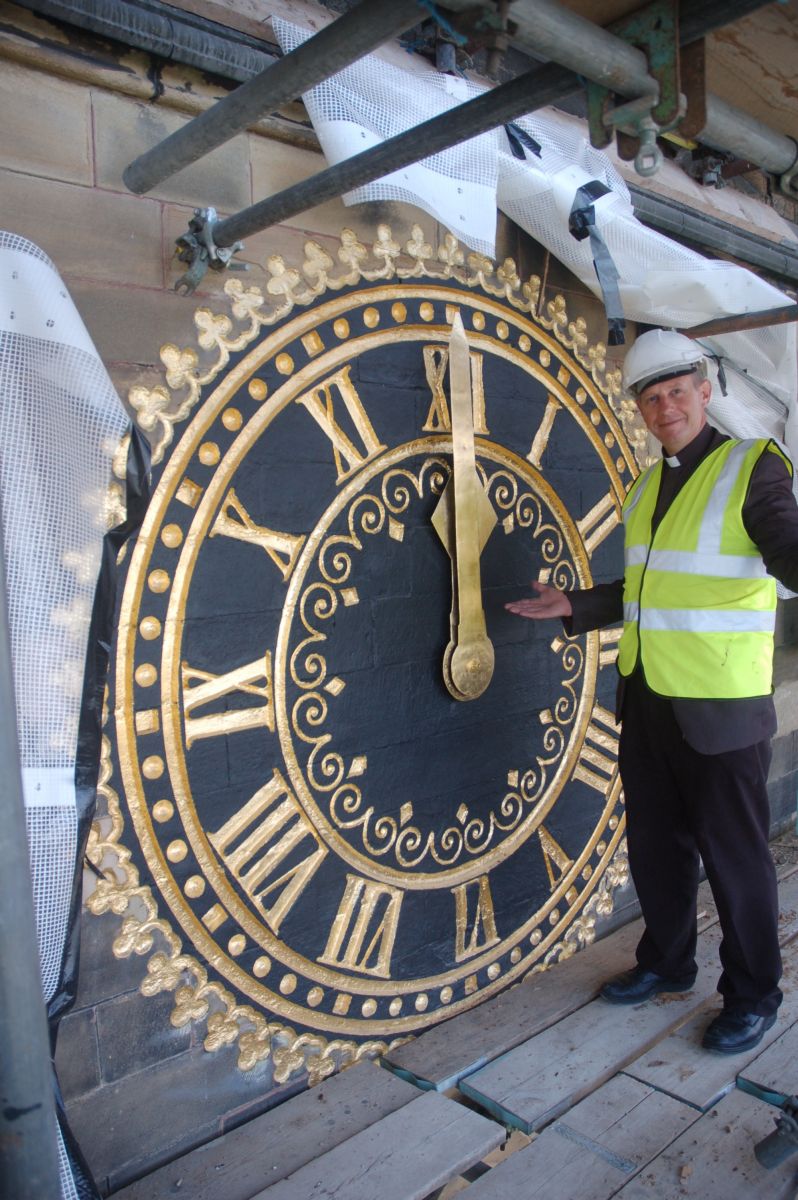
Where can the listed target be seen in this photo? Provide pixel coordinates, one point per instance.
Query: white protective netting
(661, 281)
(68, 1189)
(60, 423)
(371, 101)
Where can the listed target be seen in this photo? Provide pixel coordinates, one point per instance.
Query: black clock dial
(351, 849)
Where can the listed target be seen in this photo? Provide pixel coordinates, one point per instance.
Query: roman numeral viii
(271, 848)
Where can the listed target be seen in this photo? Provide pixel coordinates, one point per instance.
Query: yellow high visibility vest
(699, 608)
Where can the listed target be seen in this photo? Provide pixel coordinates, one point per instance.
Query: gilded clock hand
(469, 659)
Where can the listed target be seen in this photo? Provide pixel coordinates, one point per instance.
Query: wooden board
(278, 1142)
(440, 1058)
(677, 1065)
(714, 1159)
(775, 1069)
(539, 1080)
(596, 1148)
(405, 1156)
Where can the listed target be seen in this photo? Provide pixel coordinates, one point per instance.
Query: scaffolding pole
(745, 321)
(345, 40)
(549, 29)
(535, 89)
(521, 95)
(28, 1138)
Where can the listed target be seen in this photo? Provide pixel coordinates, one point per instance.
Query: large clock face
(342, 842)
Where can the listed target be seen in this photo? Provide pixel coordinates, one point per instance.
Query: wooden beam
(408, 1156)
(756, 320)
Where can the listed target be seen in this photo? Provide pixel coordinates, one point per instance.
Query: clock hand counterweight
(469, 659)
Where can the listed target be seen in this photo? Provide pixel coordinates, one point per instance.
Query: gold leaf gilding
(158, 410)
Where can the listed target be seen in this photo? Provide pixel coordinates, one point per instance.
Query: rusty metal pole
(28, 1139)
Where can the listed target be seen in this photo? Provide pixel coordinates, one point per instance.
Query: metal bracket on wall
(198, 249)
(788, 182)
(636, 132)
(680, 99)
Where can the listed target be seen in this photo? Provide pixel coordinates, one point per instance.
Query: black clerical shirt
(770, 516)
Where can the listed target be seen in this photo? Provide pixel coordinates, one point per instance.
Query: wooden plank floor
(775, 1069)
(439, 1060)
(714, 1159)
(303, 1128)
(673, 1067)
(594, 1150)
(606, 1101)
(413, 1152)
(533, 1084)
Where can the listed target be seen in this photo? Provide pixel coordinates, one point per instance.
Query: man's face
(675, 410)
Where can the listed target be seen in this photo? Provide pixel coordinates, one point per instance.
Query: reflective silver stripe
(711, 529)
(689, 562)
(630, 612)
(638, 496)
(635, 556)
(706, 620)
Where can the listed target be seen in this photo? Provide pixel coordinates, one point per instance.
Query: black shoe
(732, 1032)
(637, 985)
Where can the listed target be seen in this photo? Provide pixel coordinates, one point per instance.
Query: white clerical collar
(673, 461)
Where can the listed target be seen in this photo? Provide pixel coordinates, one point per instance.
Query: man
(706, 529)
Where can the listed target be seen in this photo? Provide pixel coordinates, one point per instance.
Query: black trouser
(681, 805)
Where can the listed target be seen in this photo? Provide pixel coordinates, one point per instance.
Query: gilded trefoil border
(158, 410)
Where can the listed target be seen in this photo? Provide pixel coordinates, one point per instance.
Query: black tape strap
(518, 139)
(582, 224)
(718, 361)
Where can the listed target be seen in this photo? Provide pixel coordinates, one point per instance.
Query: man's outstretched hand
(549, 602)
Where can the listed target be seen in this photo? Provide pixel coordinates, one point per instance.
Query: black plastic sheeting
(87, 763)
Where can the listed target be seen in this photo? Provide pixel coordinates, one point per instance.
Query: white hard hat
(660, 354)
